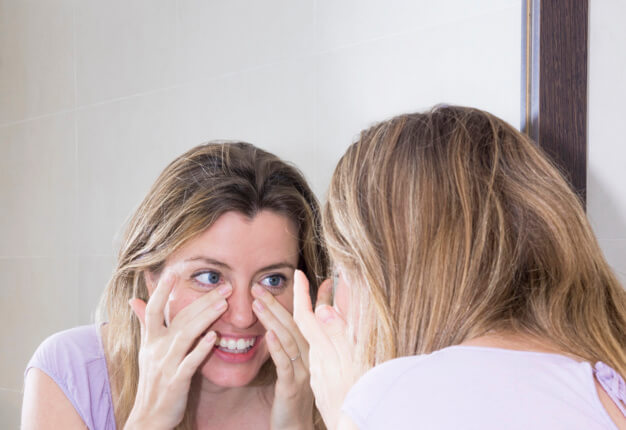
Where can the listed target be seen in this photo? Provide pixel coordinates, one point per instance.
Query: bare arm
(616, 415)
(45, 406)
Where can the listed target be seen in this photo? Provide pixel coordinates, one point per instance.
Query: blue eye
(274, 281)
(208, 278)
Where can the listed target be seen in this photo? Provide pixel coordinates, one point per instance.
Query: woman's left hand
(293, 399)
(331, 355)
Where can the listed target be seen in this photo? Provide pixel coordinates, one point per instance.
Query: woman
(462, 249)
(212, 249)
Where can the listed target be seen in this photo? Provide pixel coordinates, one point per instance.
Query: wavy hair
(450, 224)
(186, 199)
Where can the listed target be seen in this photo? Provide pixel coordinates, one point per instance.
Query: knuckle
(182, 337)
(290, 345)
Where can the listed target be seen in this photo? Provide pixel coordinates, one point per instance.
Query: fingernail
(225, 290)
(221, 305)
(210, 336)
(324, 313)
(258, 306)
(258, 290)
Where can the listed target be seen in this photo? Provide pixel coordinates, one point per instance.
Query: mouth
(235, 345)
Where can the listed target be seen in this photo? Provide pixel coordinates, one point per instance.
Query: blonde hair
(189, 195)
(451, 223)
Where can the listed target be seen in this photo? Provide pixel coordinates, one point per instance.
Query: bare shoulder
(614, 412)
(45, 406)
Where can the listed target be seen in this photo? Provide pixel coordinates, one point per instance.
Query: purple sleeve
(74, 359)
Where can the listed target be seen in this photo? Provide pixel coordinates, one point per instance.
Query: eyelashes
(209, 279)
(275, 282)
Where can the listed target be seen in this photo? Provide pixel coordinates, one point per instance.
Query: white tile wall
(121, 151)
(10, 405)
(369, 82)
(218, 37)
(272, 107)
(36, 58)
(124, 47)
(94, 273)
(606, 155)
(348, 22)
(39, 297)
(38, 187)
(96, 97)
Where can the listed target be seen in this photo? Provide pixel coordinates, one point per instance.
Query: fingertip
(133, 303)
(301, 277)
(327, 284)
(271, 336)
(325, 313)
(210, 337)
(170, 278)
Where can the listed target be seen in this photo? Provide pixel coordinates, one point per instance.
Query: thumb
(332, 323)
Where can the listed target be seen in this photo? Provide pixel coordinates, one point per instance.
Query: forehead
(245, 243)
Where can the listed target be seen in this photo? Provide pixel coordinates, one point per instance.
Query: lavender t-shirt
(467, 387)
(74, 359)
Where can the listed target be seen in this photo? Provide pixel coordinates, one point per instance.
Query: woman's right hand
(170, 354)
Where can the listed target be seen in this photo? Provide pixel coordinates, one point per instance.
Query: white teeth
(236, 345)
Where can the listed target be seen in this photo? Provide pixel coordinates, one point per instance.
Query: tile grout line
(52, 257)
(300, 57)
(10, 390)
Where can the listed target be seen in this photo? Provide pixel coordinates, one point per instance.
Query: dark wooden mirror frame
(554, 83)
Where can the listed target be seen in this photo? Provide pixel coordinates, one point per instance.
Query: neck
(230, 407)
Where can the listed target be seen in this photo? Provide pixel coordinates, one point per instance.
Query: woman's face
(241, 252)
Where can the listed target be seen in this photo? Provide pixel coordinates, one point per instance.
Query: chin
(232, 375)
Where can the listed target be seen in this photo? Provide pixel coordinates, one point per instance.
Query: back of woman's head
(191, 193)
(451, 223)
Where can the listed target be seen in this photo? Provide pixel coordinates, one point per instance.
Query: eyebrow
(276, 266)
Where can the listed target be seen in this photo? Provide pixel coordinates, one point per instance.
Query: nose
(239, 312)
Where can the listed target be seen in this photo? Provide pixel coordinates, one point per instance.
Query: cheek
(286, 300)
(178, 300)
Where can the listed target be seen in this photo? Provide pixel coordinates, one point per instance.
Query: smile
(235, 345)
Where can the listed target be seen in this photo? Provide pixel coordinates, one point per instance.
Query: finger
(155, 310)
(302, 308)
(325, 293)
(198, 354)
(287, 337)
(185, 336)
(333, 326)
(282, 360)
(281, 315)
(304, 317)
(198, 308)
